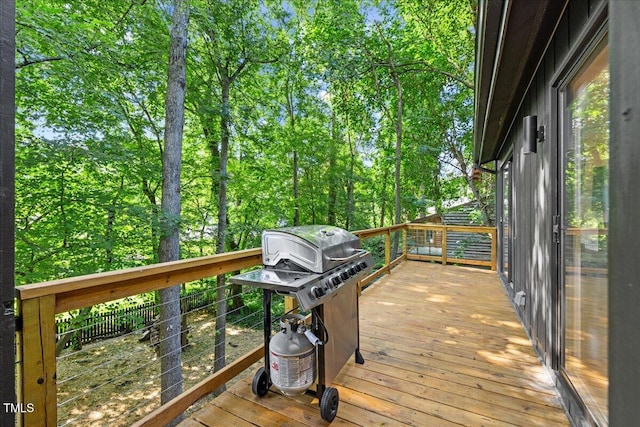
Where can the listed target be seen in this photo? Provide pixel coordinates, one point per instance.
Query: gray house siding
(559, 34)
(535, 179)
(535, 190)
(624, 254)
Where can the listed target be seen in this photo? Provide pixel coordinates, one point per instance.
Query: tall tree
(386, 60)
(169, 247)
(235, 35)
(90, 123)
(88, 79)
(390, 63)
(445, 35)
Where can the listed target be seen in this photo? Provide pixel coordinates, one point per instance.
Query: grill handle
(355, 255)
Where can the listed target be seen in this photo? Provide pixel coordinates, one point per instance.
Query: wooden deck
(442, 346)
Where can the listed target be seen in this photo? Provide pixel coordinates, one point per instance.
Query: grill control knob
(344, 275)
(317, 291)
(358, 267)
(336, 281)
(352, 271)
(362, 265)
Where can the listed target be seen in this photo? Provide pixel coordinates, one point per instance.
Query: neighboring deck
(442, 347)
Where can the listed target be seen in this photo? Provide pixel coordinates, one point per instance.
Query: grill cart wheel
(329, 404)
(260, 384)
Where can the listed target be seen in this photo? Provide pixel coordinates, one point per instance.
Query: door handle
(556, 229)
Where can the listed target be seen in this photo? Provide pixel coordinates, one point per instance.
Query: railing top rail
(139, 274)
(461, 228)
(132, 281)
(586, 230)
(371, 232)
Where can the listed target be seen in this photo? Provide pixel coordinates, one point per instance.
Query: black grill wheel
(260, 384)
(329, 404)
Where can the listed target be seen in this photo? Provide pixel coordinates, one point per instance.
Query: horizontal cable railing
(116, 381)
(114, 378)
(452, 244)
(42, 380)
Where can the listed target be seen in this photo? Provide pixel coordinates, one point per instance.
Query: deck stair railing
(38, 304)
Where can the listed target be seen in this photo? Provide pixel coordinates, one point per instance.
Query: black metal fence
(94, 326)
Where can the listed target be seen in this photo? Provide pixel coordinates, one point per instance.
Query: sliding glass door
(585, 220)
(505, 225)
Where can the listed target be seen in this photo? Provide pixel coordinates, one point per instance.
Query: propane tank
(292, 356)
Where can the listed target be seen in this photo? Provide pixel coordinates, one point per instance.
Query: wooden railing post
(444, 245)
(494, 250)
(290, 304)
(387, 250)
(405, 231)
(37, 391)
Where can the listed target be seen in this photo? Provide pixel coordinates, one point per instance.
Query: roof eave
(511, 40)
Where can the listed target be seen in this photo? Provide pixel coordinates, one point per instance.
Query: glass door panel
(586, 219)
(506, 222)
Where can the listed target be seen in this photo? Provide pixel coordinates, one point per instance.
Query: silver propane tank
(292, 356)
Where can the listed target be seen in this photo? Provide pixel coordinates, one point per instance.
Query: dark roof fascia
(487, 37)
(511, 40)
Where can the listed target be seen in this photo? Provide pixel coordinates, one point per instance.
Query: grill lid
(321, 236)
(316, 248)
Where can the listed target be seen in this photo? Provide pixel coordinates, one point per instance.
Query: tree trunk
(214, 153)
(296, 207)
(151, 196)
(292, 123)
(184, 321)
(395, 77)
(398, 206)
(169, 246)
(333, 163)
(226, 80)
(221, 297)
(350, 181)
(383, 195)
(236, 290)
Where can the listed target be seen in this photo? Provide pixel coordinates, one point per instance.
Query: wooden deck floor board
(212, 415)
(485, 404)
(457, 378)
(253, 412)
(305, 411)
(510, 354)
(425, 384)
(442, 347)
(384, 404)
(424, 410)
(480, 367)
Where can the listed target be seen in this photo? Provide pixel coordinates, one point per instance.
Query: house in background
(557, 117)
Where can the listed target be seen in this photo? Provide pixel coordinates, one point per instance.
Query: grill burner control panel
(316, 292)
(310, 289)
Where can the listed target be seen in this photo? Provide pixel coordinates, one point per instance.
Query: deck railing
(452, 244)
(39, 303)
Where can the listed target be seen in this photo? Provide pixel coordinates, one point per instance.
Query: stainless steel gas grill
(320, 266)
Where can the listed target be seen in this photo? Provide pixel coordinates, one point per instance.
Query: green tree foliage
(89, 129)
(292, 116)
